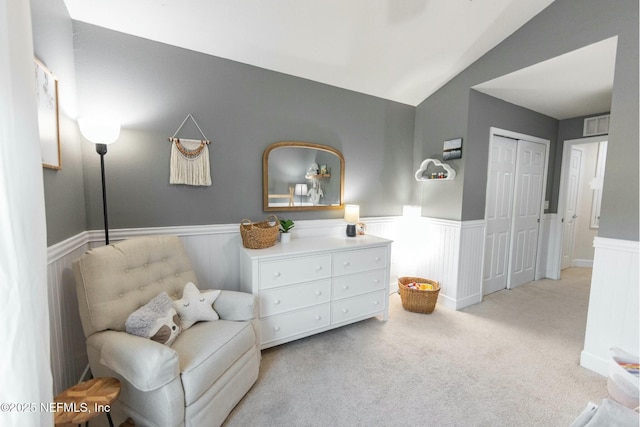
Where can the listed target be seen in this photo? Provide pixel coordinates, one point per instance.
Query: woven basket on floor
(416, 300)
(259, 235)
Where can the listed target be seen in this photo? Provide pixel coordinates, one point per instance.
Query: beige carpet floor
(512, 360)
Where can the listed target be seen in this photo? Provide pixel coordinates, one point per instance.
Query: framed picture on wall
(48, 120)
(452, 149)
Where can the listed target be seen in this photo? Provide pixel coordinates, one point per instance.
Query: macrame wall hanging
(189, 158)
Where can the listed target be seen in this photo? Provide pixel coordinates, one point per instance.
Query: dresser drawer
(280, 300)
(361, 260)
(294, 270)
(360, 283)
(297, 322)
(362, 305)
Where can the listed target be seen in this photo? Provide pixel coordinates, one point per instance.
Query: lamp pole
(101, 149)
(100, 133)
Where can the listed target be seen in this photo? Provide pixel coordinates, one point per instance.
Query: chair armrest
(232, 305)
(146, 364)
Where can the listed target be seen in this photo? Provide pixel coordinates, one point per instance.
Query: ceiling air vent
(596, 125)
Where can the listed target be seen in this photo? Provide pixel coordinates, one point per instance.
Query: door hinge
(538, 220)
(562, 220)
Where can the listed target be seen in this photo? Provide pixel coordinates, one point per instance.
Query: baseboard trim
(582, 263)
(594, 363)
(459, 304)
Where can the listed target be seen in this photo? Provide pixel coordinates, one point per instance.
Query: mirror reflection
(302, 176)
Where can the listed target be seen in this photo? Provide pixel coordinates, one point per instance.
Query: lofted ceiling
(575, 84)
(401, 50)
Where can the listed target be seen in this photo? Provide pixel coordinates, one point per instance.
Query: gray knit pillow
(156, 320)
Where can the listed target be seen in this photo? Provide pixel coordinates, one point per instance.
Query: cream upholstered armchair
(205, 372)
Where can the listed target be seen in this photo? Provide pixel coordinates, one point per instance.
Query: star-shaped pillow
(196, 306)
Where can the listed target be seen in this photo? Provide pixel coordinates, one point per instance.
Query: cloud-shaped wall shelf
(450, 173)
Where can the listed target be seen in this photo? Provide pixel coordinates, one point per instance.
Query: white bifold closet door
(514, 205)
(498, 214)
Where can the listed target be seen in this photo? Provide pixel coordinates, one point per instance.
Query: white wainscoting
(612, 320)
(451, 252)
(552, 225)
(546, 260)
(469, 289)
(448, 251)
(213, 250)
(68, 352)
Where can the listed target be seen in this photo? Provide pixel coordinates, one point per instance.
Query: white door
(527, 211)
(570, 213)
(499, 207)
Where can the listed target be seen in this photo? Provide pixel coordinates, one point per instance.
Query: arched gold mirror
(302, 176)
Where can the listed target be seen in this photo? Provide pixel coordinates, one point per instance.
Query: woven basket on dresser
(416, 300)
(259, 235)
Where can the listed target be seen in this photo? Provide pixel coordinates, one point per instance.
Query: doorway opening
(581, 178)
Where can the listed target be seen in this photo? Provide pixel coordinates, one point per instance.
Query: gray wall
(150, 87)
(64, 191)
(484, 112)
(564, 26)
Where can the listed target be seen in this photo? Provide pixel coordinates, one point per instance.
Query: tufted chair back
(143, 268)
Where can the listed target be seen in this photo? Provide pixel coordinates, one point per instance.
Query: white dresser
(311, 285)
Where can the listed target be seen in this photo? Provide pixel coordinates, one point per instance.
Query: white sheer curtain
(25, 372)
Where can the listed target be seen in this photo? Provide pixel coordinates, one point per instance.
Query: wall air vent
(598, 125)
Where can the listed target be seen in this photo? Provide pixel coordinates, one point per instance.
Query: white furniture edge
(327, 245)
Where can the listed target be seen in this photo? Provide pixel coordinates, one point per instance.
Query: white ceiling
(401, 50)
(575, 84)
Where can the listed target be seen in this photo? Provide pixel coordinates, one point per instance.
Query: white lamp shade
(352, 213)
(99, 131)
(301, 189)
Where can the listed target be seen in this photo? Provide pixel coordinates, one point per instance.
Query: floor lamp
(101, 133)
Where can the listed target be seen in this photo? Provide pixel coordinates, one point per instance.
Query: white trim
(617, 244)
(594, 363)
(453, 223)
(204, 230)
(582, 263)
(467, 301)
(474, 223)
(61, 249)
(188, 230)
(554, 255)
(518, 135)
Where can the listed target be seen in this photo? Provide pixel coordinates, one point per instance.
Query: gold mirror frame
(265, 177)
